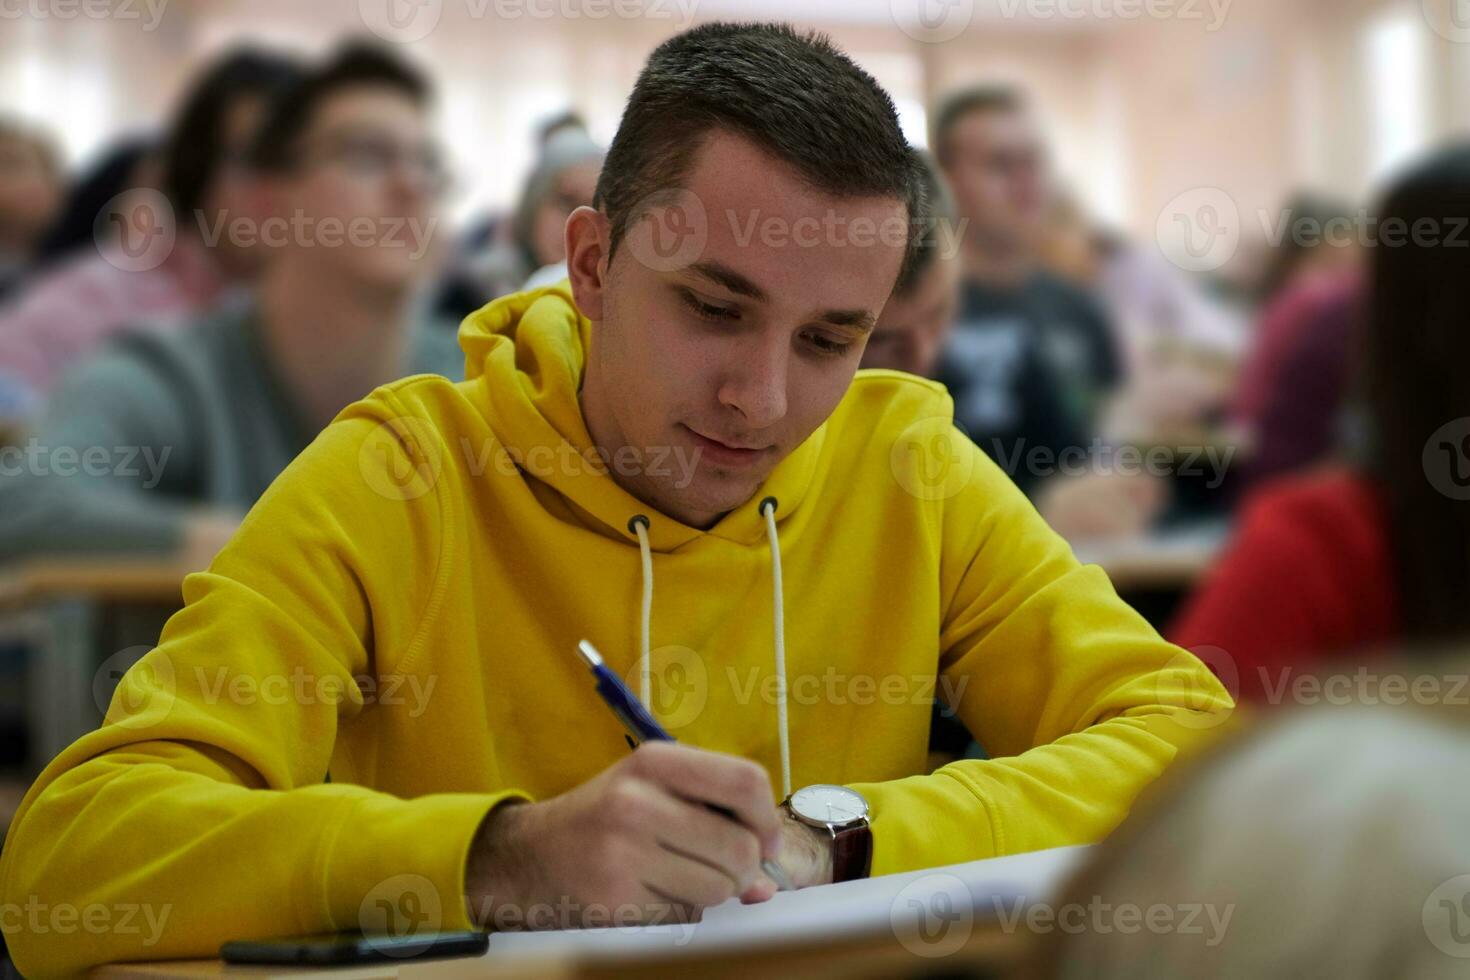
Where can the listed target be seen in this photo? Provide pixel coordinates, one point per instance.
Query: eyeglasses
(374, 157)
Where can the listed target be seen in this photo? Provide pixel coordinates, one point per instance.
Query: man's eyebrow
(730, 279)
(860, 320)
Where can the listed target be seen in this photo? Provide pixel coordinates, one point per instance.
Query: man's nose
(755, 385)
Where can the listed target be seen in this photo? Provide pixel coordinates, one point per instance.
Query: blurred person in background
(569, 121)
(1180, 346)
(991, 150)
(31, 187)
(1377, 549)
(209, 415)
(913, 333)
(1326, 843)
(1308, 296)
(125, 164)
(83, 301)
(529, 250)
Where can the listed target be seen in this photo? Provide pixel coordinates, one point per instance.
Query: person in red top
(1338, 561)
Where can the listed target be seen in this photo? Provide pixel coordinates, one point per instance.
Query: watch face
(829, 804)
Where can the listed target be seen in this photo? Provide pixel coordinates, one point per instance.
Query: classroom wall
(1139, 110)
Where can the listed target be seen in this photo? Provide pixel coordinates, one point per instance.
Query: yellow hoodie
(399, 613)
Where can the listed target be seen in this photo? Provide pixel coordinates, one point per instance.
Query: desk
(989, 952)
(1174, 560)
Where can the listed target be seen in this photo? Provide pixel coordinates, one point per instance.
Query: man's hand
(806, 852)
(639, 835)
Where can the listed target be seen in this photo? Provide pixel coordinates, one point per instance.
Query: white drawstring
(639, 526)
(778, 613)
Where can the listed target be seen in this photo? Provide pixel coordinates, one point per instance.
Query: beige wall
(1139, 110)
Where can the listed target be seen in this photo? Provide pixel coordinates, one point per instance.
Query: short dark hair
(958, 105)
(939, 216)
(195, 145)
(794, 95)
(355, 64)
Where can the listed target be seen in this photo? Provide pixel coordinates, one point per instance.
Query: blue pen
(643, 728)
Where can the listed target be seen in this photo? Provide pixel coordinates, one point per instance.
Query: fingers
(728, 781)
(693, 830)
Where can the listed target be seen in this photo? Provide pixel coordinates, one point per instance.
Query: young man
(913, 335)
(74, 308)
(990, 147)
(187, 428)
(682, 414)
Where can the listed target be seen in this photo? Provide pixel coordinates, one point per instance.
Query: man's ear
(588, 234)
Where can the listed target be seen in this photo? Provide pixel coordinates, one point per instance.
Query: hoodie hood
(528, 350)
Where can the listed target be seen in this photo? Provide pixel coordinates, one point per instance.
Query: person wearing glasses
(160, 441)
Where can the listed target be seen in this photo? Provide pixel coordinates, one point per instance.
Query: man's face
(736, 356)
(30, 194)
(364, 190)
(996, 165)
(911, 332)
(228, 195)
(574, 188)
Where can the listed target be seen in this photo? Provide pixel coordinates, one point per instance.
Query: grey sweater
(158, 424)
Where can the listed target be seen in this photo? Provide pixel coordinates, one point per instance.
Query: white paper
(909, 904)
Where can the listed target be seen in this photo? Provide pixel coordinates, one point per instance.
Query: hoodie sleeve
(1078, 702)
(187, 794)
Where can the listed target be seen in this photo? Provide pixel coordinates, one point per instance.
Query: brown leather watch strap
(852, 853)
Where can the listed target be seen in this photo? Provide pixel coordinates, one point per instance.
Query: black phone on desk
(341, 948)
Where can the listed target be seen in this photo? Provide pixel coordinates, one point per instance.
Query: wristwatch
(843, 813)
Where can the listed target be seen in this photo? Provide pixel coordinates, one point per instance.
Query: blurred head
(128, 163)
(30, 187)
(1417, 346)
(778, 167)
(916, 320)
(991, 150)
(1321, 245)
(347, 161)
(564, 179)
(1325, 842)
(201, 158)
(570, 121)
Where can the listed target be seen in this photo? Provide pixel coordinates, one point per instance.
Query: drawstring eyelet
(771, 502)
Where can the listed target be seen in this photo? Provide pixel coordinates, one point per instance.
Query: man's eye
(826, 345)
(708, 311)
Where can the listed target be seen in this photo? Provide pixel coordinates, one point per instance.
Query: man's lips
(723, 451)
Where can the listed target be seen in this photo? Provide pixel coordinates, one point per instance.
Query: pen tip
(589, 653)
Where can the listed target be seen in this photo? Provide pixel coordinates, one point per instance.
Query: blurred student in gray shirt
(161, 441)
